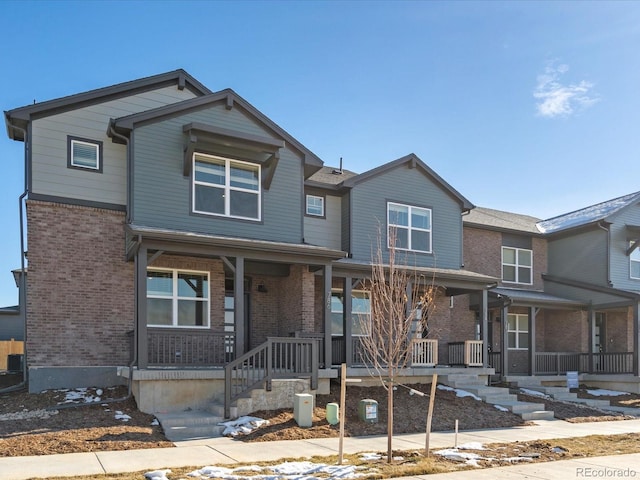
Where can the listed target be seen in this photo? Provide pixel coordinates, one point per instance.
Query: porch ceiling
(182, 242)
(535, 298)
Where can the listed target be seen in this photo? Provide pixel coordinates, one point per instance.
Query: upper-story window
(177, 298)
(315, 206)
(225, 187)
(634, 261)
(411, 227)
(517, 265)
(83, 153)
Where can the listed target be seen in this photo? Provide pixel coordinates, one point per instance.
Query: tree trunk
(389, 422)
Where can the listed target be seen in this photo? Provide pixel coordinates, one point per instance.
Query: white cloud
(555, 99)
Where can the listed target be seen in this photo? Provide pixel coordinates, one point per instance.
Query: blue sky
(530, 107)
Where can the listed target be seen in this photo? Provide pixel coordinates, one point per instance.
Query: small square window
(84, 154)
(315, 206)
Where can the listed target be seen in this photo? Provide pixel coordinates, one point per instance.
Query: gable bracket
(188, 155)
(633, 246)
(270, 169)
(229, 104)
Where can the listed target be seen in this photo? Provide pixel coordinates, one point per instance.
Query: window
(315, 206)
(360, 312)
(634, 260)
(225, 187)
(518, 331)
(177, 298)
(517, 265)
(411, 227)
(84, 154)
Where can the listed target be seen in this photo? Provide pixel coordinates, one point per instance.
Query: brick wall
(80, 289)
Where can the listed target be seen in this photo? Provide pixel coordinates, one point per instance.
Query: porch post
(238, 315)
(504, 325)
(141, 307)
(592, 334)
(484, 328)
(347, 326)
(532, 341)
(326, 314)
(636, 338)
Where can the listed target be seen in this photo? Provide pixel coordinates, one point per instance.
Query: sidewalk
(224, 451)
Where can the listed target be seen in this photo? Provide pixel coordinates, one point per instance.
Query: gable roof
(585, 216)
(500, 220)
(124, 125)
(21, 116)
(412, 161)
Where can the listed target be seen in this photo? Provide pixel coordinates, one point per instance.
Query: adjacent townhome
(179, 240)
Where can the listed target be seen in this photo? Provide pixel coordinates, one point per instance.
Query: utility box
(368, 410)
(333, 413)
(303, 409)
(573, 380)
(14, 362)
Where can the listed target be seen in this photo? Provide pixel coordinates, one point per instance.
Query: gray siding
(582, 256)
(11, 326)
(158, 154)
(325, 232)
(408, 186)
(346, 223)
(620, 273)
(50, 175)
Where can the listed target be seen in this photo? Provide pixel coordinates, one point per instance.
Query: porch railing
(424, 352)
(276, 358)
(495, 362)
(189, 347)
(467, 353)
(559, 363)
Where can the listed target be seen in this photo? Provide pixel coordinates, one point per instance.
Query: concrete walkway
(224, 451)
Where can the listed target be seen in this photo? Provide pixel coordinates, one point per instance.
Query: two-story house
(180, 239)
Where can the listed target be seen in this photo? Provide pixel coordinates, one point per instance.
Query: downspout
(602, 227)
(134, 356)
(23, 277)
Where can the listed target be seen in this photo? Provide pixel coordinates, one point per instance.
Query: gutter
(602, 227)
(111, 132)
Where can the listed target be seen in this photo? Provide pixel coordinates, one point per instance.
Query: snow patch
(501, 408)
(608, 393)
(282, 471)
(157, 475)
(459, 393)
(242, 425)
(471, 446)
(535, 393)
(122, 416)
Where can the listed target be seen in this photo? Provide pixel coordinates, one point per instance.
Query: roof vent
(338, 171)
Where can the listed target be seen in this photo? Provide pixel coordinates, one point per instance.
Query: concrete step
(190, 425)
(460, 379)
(519, 408)
(498, 398)
(634, 412)
(538, 415)
(521, 381)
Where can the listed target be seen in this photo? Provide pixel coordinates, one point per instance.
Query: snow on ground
(610, 393)
(242, 425)
(535, 393)
(469, 458)
(81, 395)
(501, 408)
(459, 393)
(282, 471)
(471, 446)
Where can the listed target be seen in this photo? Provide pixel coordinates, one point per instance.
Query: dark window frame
(98, 143)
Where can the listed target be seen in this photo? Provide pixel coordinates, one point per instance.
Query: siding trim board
(77, 202)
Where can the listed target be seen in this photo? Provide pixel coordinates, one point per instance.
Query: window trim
(634, 253)
(87, 141)
(517, 331)
(409, 228)
(323, 206)
(227, 186)
(175, 298)
(516, 265)
(339, 291)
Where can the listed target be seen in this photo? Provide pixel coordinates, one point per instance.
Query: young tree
(400, 301)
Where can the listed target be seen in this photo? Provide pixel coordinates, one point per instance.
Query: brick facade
(80, 301)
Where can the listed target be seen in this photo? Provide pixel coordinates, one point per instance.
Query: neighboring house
(12, 323)
(177, 230)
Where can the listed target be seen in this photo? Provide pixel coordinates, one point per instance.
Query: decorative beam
(188, 155)
(634, 245)
(228, 263)
(155, 256)
(229, 102)
(270, 169)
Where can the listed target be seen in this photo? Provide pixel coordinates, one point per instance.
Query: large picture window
(177, 298)
(634, 261)
(518, 331)
(360, 312)
(517, 265)
(410, 226)
(226, 187)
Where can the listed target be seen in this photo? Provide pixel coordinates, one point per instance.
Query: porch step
(462, 379)
(563, 394)
(190, 425)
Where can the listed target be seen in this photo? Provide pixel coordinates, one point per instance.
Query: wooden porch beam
(228, 263)
(592, 334)
(141, 306)
(484, 328)
(532, 340)
(504, 325)
(238, 314)
(636, 338)
(326, 314)
(347, 328)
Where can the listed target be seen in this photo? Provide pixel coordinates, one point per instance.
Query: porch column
(326, 314)
(347, 325)
(592, 335)
(532, 341)
(504, 325)
(636, 338)
(140, 336)
(238, 314)
(484, 328)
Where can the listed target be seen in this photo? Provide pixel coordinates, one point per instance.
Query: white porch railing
(424, 352)
(473, 353)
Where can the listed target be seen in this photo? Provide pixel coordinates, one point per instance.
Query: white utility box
(303, 409)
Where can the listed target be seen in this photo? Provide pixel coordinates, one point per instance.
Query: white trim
(409, 228)
(175, 298)
(518, 317)
(315, 197)
(96, 146)
(341, 292)
(516, 265)
(227, 187)
(634, 257)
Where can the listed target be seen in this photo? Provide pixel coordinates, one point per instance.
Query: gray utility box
(303, 409)
(368, 410)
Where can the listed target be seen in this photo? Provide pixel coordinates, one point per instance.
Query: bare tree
(400, 301)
